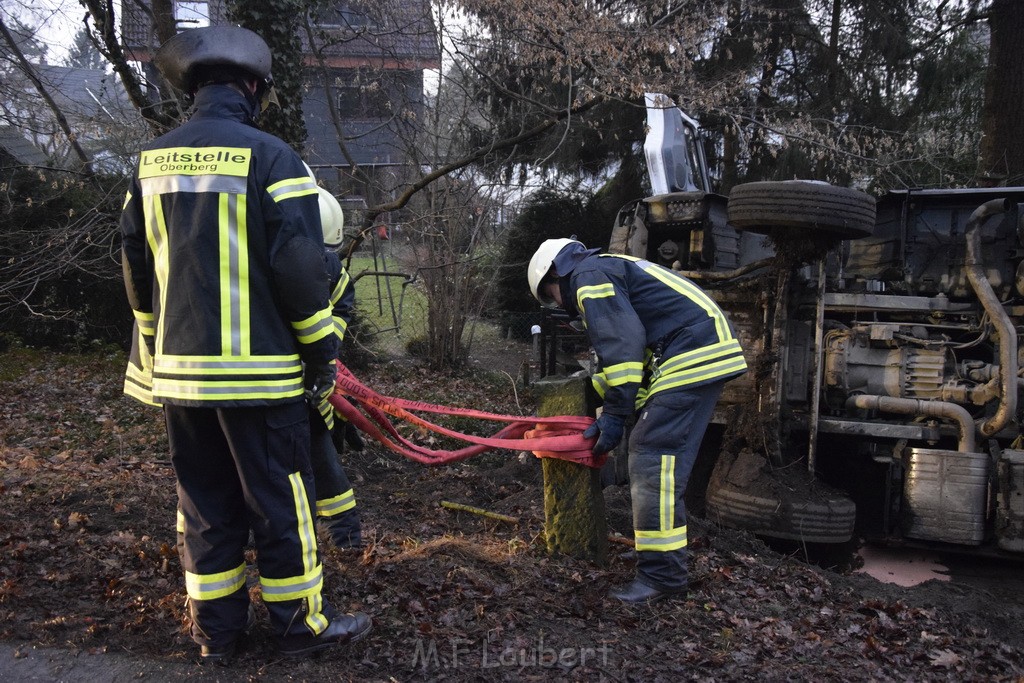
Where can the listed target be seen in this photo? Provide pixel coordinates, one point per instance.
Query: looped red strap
(548, 437)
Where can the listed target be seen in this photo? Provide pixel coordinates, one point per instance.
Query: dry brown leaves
(87, 562)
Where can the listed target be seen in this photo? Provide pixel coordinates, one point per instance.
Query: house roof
(15, 145)
(399, 34)
(396, 31)
(83, 93)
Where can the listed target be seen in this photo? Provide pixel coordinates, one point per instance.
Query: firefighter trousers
(663, 447)
(242, 469)
(335, 499)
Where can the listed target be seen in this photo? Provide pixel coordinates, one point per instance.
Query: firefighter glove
(608, 429)
(320, 382)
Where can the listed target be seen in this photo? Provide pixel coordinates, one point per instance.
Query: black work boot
(345, 529)
(343, 629)
(637, 592)
(223, 655)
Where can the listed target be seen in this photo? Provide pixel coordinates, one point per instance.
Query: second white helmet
(332, 218)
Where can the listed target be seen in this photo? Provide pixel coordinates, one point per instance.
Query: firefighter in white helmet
(224, 270)
(335, 499)
(665, 350)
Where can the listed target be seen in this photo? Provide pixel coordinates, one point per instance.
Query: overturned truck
(882, 399)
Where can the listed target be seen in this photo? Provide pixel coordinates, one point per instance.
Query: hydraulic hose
(1007, 409)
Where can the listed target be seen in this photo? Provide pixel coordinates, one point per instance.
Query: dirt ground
(91, 589)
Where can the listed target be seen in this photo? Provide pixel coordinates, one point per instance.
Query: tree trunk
(1002, 145)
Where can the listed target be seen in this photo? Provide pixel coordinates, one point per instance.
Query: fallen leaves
(87, 558)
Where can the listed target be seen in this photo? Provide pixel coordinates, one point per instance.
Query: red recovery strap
(548, 437)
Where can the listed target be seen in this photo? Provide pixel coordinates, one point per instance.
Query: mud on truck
(881, 336)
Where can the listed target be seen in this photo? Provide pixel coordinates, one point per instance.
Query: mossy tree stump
(574, 517)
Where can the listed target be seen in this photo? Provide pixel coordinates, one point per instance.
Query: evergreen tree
(84, 54)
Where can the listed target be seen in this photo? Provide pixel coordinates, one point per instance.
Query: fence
(391, 323)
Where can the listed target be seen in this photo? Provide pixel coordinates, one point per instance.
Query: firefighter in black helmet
(224, 270)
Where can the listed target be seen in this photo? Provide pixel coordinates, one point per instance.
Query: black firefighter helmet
(197, 56)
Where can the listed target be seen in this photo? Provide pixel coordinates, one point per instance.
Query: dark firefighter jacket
(223, 260)
(343, 293)
(652, 329)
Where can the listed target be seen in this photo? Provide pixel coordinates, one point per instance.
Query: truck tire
(802, 205)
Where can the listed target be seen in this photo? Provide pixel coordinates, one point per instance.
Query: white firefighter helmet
(230, 46)
(332, 218)
(540, 264)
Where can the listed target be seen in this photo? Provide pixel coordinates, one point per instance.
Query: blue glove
(610, 427)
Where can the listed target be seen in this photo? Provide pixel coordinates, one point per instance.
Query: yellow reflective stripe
(236, 390)
(315, 327)
(309, 584)
(326, 411)
(234, 275)
(661, 541)
(143, 394)
(684, 287)
(138, 382)
(706, 353)
(340, 327)
(218, 365)
(127, 198)
(328, 507)
(228, 248)
(242, 275)
(293, 587)
(691, 292)
(667, 505)
(593, 292)
(304, 522)
(623, 373)
(703, 373)
(156, 236)
(339, 288)
(179, 525)
(600, 384)
(146, 322)
(292, 187)
(230, 161)
(315, 618)
(641, 398)
(213, 586)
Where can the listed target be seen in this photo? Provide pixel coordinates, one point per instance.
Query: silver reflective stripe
(168, 364)
(655, 543)
(338, 504)
(192, 183)
(169, 388)
(292, 187)
(307, 586)
(234, 281)
(321, 323)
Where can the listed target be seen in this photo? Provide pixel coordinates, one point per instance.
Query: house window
(360, 98)
(191, 15)
(342, 16)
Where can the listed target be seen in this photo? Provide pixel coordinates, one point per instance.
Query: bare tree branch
(62, 120)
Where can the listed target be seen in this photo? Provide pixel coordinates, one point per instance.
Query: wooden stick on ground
(479, 511)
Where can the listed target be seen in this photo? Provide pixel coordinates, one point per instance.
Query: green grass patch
(386, 302)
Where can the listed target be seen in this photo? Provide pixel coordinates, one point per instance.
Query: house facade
(363, 84)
